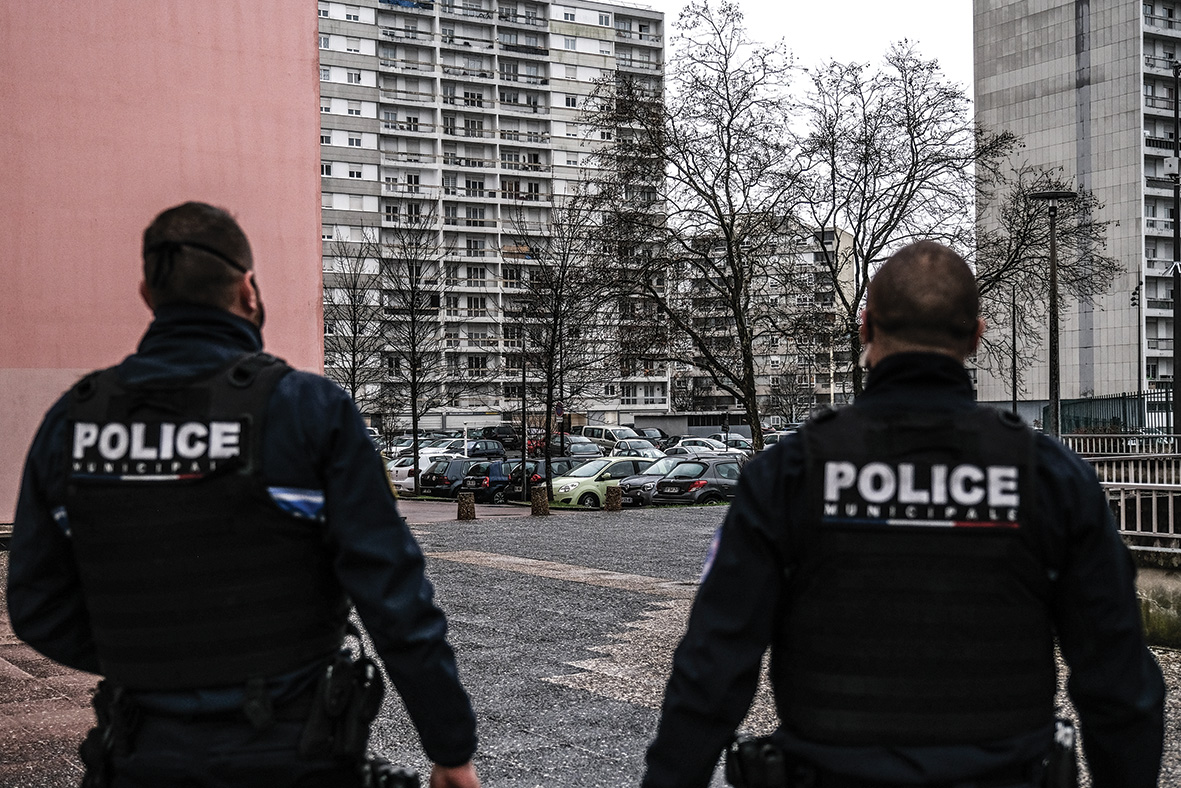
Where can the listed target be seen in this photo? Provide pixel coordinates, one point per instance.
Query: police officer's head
(923, 299)
(197, 254)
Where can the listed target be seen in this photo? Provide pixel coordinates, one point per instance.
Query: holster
(346, 701)
(755, 762)
(116, 718)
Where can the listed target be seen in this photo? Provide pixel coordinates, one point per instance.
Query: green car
(587, 484)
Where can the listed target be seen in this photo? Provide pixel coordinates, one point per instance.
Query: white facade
(468, 112)
(1088, 87)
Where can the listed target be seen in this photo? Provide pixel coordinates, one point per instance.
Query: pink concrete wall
(114, 111)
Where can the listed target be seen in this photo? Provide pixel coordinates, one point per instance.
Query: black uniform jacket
(1114, 682)
(318, 462)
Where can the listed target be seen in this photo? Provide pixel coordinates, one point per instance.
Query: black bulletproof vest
(917, 613)
(192, 576)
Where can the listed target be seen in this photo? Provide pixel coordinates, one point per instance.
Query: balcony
(408, 127)
(406, 95)
(424, 192)
(1162, 63)
(401, 65)
(468, 11)
(1159, 143)
(1160, 304)
(504, 17)
(1160, 344)
(527, 136)
(398, 158)
(1153, 182)
(1162, 23)
(451, 160)
(525, 49)
(529, 109)
(412, 5)
(632, 36)
(470, 73)
(464, 42)
(638, 65)
(1159, 226)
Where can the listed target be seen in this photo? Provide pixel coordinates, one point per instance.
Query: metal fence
(1144, 492)
(1120, 413)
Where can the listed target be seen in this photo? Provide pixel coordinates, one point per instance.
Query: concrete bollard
(539, 497)
(614, 498)
(467, 506)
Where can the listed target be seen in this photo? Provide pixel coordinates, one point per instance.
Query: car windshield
(439, 467)
(710, 442)
(589, 469)
(637, 443)
(583, 448)
(624, 432)
(479, 469)
(663, 466)
(687, 470)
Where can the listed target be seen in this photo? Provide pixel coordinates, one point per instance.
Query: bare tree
(354, 340)
(564, 314)
(698, 185)
(889, 156)
(1012, 259)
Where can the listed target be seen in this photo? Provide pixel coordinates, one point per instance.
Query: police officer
(909, 560)
(193, 524)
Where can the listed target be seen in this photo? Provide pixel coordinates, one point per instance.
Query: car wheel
(498, 496)
(589, 500)
(709, 499)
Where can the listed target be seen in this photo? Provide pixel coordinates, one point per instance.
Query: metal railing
(1141, 477)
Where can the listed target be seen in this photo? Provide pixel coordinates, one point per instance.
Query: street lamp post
(1176, 172)
(1055, 421)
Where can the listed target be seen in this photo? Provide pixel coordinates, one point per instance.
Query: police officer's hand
(454, 776)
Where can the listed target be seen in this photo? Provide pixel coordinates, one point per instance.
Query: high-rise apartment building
(464, 117)
(1089, 88)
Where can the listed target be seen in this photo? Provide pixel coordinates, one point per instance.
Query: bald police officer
(193, 525)
(909, 561)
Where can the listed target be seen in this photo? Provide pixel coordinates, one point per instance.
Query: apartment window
(568, 16)
(410, 29)
(475, 247)
(448, 94)
(354, 142)
(323, 42)
(450, 214)
(352, 45)
(325, 138)
(451, 276)
(447, 34)
(572, 101)
(507, 37)
(477, 306)
(474, 218)
(473, 127)
(352, 14)
(627, 394)
(569, 43)
(512, 278)
(354, 77)
(571, 160)
(605, 135)
(325, 200)
(451, 305)
(449, 186)
(653, 394)
(605, 20)
(325, 105)
(326, 168)
(571, 72)
(322, 10)
(412, 182)
(604, 49)
(473, 99)
(354, 108)
(476, 276)
(474, 188)
(325, 232)
(451, 338)
(391, 212)
(325, 73)
(572, 130)
(356, 202)
(354, 170)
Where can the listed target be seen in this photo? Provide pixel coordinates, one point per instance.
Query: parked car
(533, 472)
(489, 481)
(638, 490)
(636, 447)
(699, 480)
(437, 444)
(686, 444)
(562, 443)
(587, 484)
(606, 437)
(654, 434)
(403, 470)
(482, 448)
(725, 436)
(505, 433)
(444, 477)
(742, 444)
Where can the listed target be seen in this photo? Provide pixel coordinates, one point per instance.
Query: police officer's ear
(145, 293)
(979, 332)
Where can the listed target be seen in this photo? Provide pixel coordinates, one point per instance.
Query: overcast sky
(859, 30)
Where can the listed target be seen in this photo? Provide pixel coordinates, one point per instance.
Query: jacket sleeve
(45, 602)
(379, 563)
(716, 666)
(1115, 683)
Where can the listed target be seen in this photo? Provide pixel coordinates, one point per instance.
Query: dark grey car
(638, 490)
(702, 480)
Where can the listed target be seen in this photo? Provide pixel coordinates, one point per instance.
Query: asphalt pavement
(563, 628)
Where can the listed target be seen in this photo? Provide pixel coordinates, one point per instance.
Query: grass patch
(1160, 610)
